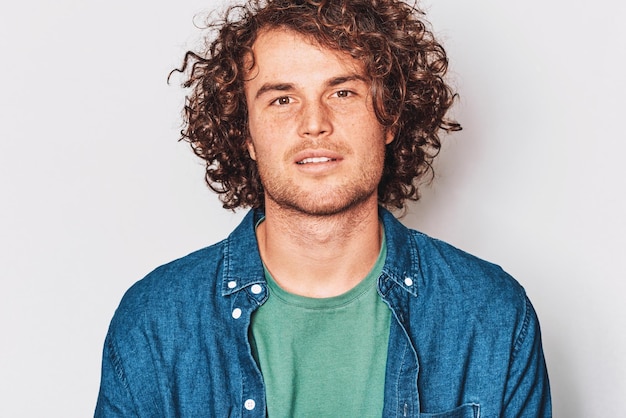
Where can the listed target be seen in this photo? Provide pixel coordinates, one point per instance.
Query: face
(319, 148)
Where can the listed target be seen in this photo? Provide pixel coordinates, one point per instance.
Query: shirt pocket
(470, 410)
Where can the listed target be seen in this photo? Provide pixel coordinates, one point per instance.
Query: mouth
(315, 160)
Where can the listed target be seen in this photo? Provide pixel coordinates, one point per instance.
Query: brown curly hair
(405, 63)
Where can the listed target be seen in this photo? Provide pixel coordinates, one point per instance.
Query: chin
(323, 206)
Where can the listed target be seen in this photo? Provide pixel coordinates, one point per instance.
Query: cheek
(378, 147)
(261, 128)
(263, 149)
(257, 137)
(268, 139)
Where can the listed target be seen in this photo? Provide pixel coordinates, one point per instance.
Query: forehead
(284, 51)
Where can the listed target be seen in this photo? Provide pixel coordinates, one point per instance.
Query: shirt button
(249, 404)
(232, 284)
(236, 313)
(408, 281)
(256, 289)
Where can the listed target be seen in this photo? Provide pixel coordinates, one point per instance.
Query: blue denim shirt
(464, 339)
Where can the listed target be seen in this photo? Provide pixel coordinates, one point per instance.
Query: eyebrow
(274, 87)
(345, 79)
(335, 81)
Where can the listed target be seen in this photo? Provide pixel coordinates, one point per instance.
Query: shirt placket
(401, 394)
(244, 302)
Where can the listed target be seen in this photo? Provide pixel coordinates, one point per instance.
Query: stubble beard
(326, 200)
(331, 202)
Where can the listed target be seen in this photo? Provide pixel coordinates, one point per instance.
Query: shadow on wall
(435, 212)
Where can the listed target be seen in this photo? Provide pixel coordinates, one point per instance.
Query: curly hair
(402, 59)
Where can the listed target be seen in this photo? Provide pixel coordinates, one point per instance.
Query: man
(317, 114)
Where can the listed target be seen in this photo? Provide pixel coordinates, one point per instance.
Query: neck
(320, 256)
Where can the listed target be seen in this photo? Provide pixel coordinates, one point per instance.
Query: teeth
(315, 160)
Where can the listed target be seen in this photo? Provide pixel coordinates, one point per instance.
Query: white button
(408, 281)
(236, 313)
(256, 289)
(249, 404)
(232, 284)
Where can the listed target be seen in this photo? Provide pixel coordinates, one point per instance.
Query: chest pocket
(463, 411)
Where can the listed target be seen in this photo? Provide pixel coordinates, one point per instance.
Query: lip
(318, 161)
(314, 157)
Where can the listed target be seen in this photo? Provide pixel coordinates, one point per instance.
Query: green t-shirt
(324, 357)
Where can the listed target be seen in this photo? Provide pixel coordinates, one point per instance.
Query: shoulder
(190, 287)
(447, 280)
(466, 293)
(171, 286)
(435, 265)
(441, 258)
(186, 273)
(471, 291)
(469, 277)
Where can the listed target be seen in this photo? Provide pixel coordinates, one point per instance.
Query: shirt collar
(402, 265)
(242, 262)
(243, 266)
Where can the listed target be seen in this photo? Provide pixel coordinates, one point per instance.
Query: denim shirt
(464, 339)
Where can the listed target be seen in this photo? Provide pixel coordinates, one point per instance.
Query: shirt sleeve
(528, 390)
(114, 398)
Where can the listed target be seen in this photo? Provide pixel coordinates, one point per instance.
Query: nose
(315, 120)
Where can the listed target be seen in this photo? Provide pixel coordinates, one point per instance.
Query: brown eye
(344, 94)
(282, 101)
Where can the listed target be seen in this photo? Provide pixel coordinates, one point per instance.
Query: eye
(281, 101)
(344, 93)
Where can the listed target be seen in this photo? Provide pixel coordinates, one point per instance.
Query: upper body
(462, 333)
(317, 114)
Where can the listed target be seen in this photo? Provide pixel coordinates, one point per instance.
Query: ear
(390, 134)
(251, 149)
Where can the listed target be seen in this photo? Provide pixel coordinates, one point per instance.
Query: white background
(95, 190)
